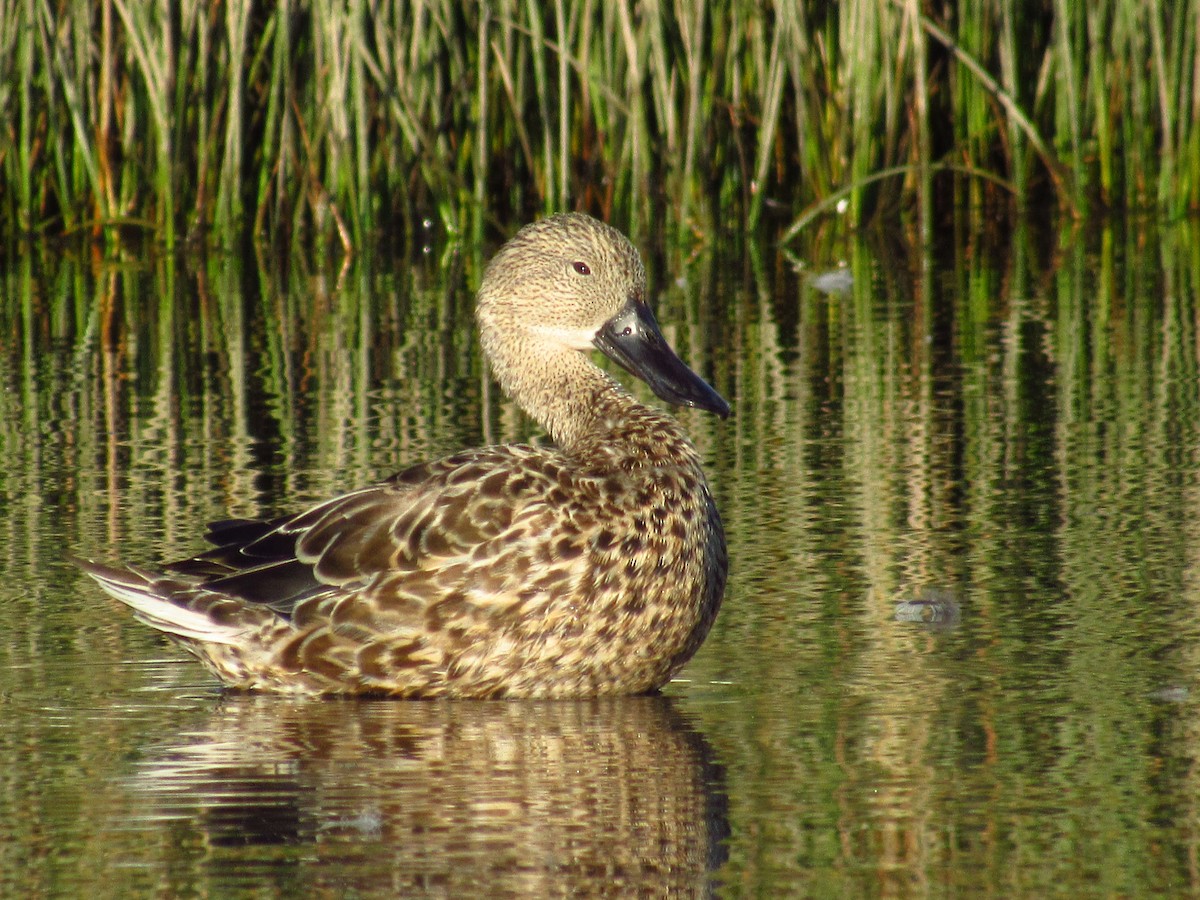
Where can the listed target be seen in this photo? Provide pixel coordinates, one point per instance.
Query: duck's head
(571, 283)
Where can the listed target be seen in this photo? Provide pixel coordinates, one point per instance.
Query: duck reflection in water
(591, 567)
(607, 797)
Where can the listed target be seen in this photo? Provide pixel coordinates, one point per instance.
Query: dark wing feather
(410, 527)
(238, 543)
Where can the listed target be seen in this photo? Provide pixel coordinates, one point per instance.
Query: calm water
(958, 655)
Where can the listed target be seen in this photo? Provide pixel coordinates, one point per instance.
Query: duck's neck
(559, 390)
(577, 403)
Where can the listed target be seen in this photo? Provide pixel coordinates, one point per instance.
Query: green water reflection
(1006, 428)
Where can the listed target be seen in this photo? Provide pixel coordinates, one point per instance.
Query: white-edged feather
(163, 614)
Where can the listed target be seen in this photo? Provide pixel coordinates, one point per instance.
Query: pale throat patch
(571, 338)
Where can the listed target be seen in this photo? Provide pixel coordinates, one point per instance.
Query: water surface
(957, 655)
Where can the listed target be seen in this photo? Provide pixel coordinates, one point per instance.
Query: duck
(590, 564)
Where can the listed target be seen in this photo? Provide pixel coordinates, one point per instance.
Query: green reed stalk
(483, 57)
(364, 210)
(1187, 112)
(1069, 101)
(775, 74)
(1090, 51)
(231, 179)
(276, 135)
(1009, 51)
(1167, 87)
(1127, 44)
(855, 136)
(24, 169)
(58, 78)
(542, 92)
(920, 110)
(634, 159)
(693, 38)
(153, 52)
(564, 99)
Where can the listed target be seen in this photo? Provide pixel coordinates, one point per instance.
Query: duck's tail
(170, 605)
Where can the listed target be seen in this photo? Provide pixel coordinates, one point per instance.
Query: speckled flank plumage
(593, 566)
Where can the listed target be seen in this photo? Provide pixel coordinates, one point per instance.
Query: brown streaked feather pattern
(592, 567)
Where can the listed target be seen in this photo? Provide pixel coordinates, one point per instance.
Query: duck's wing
(467, 528)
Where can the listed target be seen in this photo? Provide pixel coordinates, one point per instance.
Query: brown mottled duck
(591, 566)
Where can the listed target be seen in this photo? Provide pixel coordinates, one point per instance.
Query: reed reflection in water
(959, 651)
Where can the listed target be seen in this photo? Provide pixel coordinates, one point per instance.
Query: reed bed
(326, 123)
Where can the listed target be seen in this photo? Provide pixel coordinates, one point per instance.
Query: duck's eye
(582, 268)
